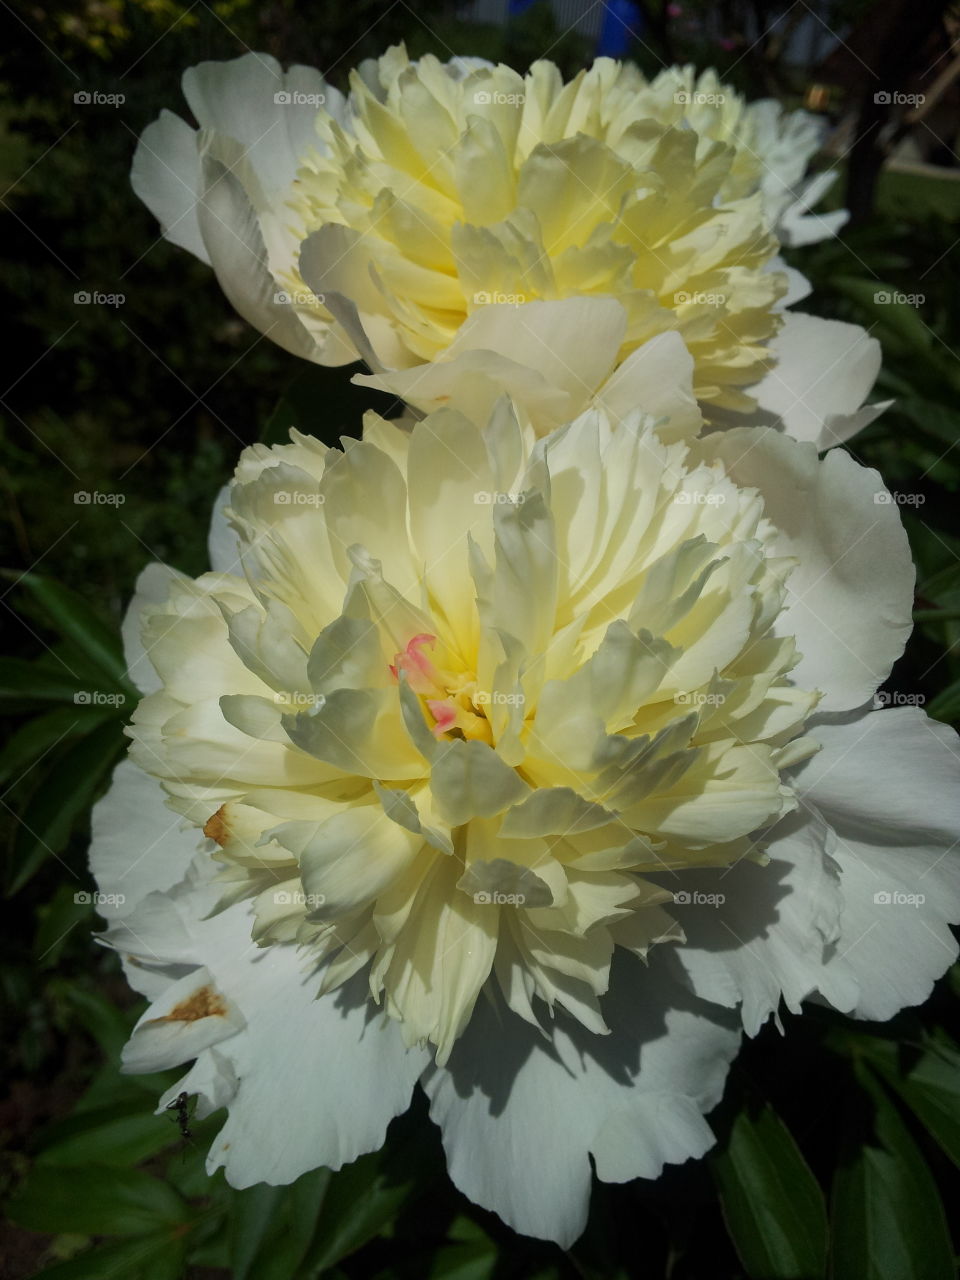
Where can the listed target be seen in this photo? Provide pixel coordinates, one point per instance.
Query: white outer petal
(849, 601)
(520, 1117)
(237, 98)
(231, 230)
(138, 845)
(223, 545)
(823, 374)
(319, 1079)
(888, 782)
(767, 938)
(153, 586)
(166, 176)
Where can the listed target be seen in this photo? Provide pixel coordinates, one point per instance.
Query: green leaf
(946, 705)
(772, 1204)
(929, 1085)
(122, 1134)
(70, 615)
(101, 1019)
(66, 793)
(57, 920)
(270, 1228)
(94, 1200)
(160, 1255)
(887, 1218)
(44, 732)
(361, 1200)
(31, 683)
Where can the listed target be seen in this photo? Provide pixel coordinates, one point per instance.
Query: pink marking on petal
(416, 666)
(445, 714)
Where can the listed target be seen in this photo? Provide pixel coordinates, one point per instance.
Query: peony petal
(138, 845)
(166, 176)
(756, 933)
(823, 374)
(521, 1115)
(887, 782)
(153, 587)
(850, 599)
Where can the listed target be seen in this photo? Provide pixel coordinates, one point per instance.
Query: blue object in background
(622, 22)
(519, 6)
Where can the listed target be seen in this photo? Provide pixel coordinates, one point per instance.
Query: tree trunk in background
(904, 28)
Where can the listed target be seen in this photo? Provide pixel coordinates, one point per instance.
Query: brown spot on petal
(216, 827)
(205, 1003)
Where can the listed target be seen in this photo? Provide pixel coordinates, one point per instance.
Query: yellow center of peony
(454, 701)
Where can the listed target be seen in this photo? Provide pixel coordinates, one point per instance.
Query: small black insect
(180, 1105)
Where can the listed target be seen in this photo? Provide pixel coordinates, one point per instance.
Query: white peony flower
(528, 770)
(433, 222)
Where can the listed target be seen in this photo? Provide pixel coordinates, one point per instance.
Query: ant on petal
(180, 1104)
